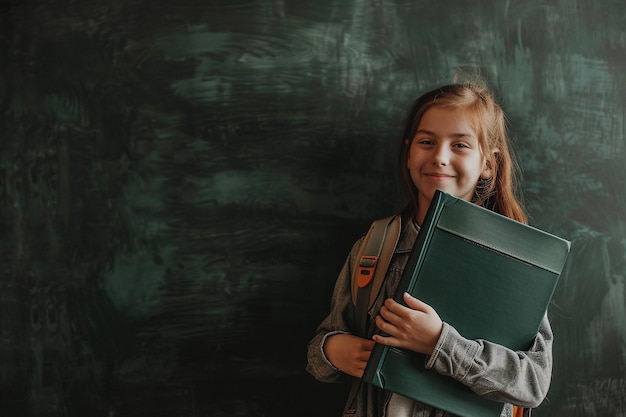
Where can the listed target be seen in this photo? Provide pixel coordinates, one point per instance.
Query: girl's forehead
(455, 121)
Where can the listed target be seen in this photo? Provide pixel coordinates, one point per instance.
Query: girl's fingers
(388, 340)
(391, 313)
(388, 327)
(415, 304)
(392, 310)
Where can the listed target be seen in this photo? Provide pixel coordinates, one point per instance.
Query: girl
(454, 140)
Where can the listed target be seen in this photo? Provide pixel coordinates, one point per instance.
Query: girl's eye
(461, 145)
(424, 141)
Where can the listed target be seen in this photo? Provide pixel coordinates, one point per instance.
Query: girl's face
(445, 154)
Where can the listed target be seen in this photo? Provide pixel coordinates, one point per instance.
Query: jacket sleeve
(340, 320)
(495, 372)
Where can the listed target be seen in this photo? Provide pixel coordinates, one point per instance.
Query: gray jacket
(490, 370)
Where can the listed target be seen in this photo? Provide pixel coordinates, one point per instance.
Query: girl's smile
(438, 177)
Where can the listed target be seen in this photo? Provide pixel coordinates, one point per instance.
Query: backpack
(368, 276)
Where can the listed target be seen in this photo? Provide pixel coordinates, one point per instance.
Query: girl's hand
(416, 327)
(348, 353)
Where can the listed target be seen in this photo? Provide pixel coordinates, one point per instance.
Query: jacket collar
(407, 237)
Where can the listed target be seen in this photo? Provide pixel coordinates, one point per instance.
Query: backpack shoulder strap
(368, 275)
(372, 263)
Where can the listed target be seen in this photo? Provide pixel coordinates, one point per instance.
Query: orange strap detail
(366, 268)
(518, 411)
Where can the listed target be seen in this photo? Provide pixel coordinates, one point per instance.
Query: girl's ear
(488, 165)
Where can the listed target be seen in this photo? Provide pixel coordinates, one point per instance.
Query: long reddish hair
(499, 193)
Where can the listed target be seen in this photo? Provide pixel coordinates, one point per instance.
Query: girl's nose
(441, 156)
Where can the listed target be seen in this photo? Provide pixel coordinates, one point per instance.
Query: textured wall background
(181, 182)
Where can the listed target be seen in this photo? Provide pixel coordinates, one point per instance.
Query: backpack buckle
(366, 268)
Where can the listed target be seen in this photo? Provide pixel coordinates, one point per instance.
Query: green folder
(489, 277)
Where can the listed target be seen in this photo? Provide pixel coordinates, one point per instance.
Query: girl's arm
(518, 377)
(491, 370)
(339, 321)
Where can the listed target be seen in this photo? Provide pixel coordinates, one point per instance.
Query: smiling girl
(455, 140)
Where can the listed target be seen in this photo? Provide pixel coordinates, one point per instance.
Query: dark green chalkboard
(181, 182)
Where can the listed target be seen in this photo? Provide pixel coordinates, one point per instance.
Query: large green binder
(488, 276)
